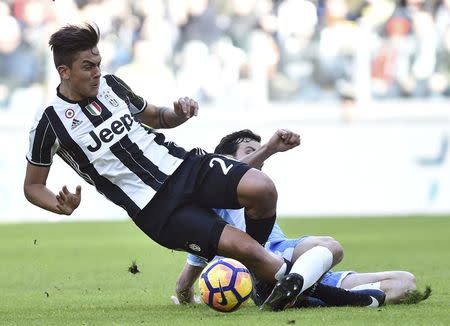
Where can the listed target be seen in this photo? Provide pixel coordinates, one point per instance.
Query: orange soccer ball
(225, 284)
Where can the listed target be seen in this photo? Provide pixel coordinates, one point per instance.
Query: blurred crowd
(240, 52)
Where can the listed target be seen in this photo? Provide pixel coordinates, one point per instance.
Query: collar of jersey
(82, 102)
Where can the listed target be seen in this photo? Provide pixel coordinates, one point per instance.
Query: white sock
(376, 285)
(312, 265)
(281, 272)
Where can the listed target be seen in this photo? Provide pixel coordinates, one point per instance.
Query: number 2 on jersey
(221, 163)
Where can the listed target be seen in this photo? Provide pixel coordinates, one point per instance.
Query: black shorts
(180, 216)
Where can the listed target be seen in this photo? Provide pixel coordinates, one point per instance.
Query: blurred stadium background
(365, 83)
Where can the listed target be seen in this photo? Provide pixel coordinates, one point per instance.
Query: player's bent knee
(266, 192)
(337, 250)
(333, 245)
(257, 192)
(270, 192)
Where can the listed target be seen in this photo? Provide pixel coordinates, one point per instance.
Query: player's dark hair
(229, 144)
(68, 41)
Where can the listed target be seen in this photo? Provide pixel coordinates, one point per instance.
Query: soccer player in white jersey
(242, 145)
(96, 125)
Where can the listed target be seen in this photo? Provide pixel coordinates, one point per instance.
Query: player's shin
(239, 245)
(312, 265)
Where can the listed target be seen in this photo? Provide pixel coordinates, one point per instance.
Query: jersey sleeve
(194, 260)
(43, 142)
(136, 104)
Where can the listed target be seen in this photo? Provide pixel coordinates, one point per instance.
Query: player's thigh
(218, 182)
(194, 229)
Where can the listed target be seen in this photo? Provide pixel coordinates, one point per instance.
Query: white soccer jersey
(102, 141)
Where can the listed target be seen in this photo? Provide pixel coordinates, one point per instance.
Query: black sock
(334, 296)
(259, 229)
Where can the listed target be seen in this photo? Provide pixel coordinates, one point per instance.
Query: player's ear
(64, 71)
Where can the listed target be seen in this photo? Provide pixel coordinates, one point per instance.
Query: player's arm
(185, 284)
(281, 141)
(163, 118)
(37, 193)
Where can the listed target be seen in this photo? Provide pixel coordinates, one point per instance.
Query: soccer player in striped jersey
(242, 145)
(95, 124)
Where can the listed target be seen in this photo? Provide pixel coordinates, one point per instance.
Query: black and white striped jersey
(103, 142)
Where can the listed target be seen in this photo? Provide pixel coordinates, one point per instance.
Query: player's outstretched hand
(185, 107)
(283, 140)
(67, 201)
(182, 300)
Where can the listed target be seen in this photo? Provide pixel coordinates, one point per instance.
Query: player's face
(83, 76)
(246, 147)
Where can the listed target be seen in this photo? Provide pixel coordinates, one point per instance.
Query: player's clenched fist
(185, 107)
(283, 140)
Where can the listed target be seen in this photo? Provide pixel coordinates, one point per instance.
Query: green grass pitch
(77, 274)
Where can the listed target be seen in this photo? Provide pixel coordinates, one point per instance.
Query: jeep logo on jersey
(106, 135)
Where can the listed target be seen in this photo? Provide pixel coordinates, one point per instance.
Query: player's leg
(268, 267)
(286, 292)
(323, 294)
(311, 261)
(239, 245)
(198, 230)
(310, 242)
(257, 193)
(225, 183)
(337, 297)
(396, 284)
